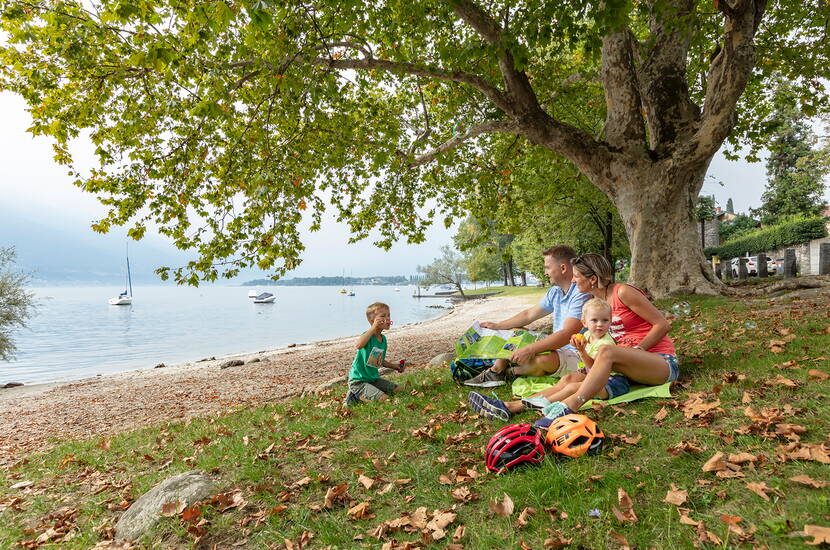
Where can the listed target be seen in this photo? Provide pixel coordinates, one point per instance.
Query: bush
(769, 238)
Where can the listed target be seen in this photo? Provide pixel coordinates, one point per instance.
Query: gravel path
(31, 417)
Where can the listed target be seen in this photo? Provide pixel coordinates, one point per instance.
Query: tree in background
(485, 251)
(730, 208)
(795, 169)
(16, 304)
(736, 228)
(447, 269)
(226, 123)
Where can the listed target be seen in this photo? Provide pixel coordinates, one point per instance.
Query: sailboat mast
(129, 279)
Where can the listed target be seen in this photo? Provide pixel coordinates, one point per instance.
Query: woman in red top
(643, 354)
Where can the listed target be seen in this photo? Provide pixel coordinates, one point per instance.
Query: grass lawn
(410, 473)
(509, 290)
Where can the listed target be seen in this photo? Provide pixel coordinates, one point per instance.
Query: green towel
(525, 386)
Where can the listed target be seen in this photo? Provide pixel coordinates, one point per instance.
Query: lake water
(76, 334)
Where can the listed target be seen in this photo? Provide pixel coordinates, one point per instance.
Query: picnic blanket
(525, 386)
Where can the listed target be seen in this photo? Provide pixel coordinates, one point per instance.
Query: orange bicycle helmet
(574, 435)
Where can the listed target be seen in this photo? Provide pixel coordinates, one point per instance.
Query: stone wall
(806, 256)
(711, 233)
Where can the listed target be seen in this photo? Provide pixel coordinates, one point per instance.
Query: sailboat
(125, 298)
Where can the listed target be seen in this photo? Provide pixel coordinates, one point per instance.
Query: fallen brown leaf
(360, 511)
(626, 511)
(808, 481)
(170, 509)
(503, 508)
(816, 374)
(760, 488)
(715, 463)
(365, 481)
(676, 496)
(521, 521)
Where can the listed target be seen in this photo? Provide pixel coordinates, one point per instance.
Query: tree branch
(455, 141)
(727, 78)
(493, 94)
(516, 83)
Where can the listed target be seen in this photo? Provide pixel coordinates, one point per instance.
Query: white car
(752, 265)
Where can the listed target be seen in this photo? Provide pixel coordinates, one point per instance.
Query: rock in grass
(442, 359)
(189, 488)
(232, 363)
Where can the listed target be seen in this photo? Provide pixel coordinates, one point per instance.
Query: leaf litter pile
(739, 458)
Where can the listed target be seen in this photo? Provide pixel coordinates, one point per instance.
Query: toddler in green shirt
(365, 383)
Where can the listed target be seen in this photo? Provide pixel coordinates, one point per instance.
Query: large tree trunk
(666, 256)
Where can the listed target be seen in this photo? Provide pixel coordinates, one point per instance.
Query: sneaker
(543, 423)
(556, 409)
(351, 399)
(487, 379)
(535, 403)
(489, 407)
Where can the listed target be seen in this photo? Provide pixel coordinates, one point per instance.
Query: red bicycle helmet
(513, 445)
(574, 435)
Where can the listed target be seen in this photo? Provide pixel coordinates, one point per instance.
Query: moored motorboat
(264, 298)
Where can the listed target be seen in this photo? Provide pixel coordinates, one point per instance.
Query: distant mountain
(332, 281)
(62, 250)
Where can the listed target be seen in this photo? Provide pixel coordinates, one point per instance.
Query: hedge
(770, 238)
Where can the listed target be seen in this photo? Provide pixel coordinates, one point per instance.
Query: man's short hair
(373, 310)
(561, 252)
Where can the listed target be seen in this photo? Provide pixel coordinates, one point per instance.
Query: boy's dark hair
(561, 252)
(373, 309)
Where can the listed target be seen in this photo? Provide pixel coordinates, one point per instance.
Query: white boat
(252, 294)
(351, 293)
(264, 298)
(397, 289)
(125, 298)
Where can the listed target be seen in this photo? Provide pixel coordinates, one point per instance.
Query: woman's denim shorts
(674, 368)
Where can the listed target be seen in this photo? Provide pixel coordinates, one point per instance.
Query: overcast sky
(33, 185)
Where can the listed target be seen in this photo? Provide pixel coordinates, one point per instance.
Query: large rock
(442, 359)
(189, 487)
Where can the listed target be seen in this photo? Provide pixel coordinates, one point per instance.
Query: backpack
(464, 369)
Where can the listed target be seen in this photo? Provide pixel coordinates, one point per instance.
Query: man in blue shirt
(564, 302)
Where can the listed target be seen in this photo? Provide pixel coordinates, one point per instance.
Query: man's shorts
(568, 362)
(371, 391)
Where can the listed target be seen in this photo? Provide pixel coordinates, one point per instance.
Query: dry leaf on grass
(676, 496)
(170, 509)
(226, 501)
(816, 374)
(360, 511)
(715, 463)
(503, 508)
(521, 521)
(661, 414)
(555, 541)
(459, 533)
(621, 539)
(334, 493)
(625, 513)
(761, 489)
(808, 481)
(685, 519)
(821, 535)
(365, 481)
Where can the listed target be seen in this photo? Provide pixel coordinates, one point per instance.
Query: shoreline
(32, 417)
(36, 388)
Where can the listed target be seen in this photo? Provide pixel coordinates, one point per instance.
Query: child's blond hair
(596, 304)
(373, 310)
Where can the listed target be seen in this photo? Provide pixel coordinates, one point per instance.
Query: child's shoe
(535, 403)
(556, 409)
(351, 399)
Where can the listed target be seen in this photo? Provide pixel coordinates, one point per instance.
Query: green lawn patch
(753, 387)
(509, 291)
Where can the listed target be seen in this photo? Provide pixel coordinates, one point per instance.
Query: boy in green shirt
(365, 384)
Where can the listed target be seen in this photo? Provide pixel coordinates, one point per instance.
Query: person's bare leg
(500, 365)
(539, 365)
(638, 365)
